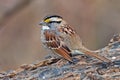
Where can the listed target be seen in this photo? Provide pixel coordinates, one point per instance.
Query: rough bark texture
(83, 68)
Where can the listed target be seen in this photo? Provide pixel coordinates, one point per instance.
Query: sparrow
(62, 39)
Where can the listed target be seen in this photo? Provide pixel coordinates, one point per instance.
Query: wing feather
(55, 43)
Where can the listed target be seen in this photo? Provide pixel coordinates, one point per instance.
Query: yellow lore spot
(47, 20)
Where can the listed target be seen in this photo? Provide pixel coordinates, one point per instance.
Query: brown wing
(66, 29)
(74, 40)
(55, 43)
(76, 43)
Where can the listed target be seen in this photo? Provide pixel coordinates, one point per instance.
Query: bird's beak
(42, 23)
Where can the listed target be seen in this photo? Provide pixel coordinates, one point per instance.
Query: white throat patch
(45, 27)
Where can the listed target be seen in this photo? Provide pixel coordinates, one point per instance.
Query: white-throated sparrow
(59, 37)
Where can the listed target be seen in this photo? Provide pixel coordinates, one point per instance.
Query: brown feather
(63, 52)
(56, 44)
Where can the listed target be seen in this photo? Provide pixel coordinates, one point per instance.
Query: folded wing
(55, 43)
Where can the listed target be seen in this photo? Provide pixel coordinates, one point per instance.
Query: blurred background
(95, 20)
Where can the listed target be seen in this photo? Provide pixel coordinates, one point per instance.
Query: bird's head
(51, 22)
